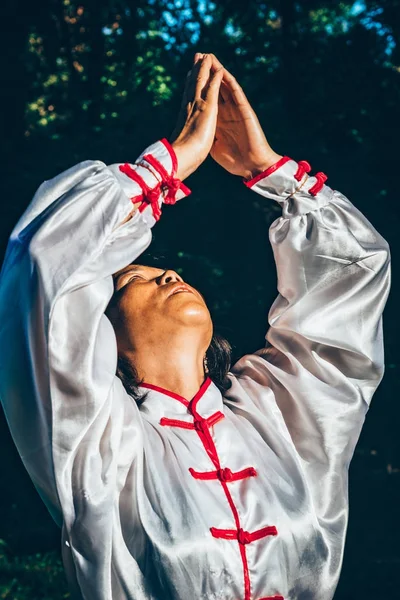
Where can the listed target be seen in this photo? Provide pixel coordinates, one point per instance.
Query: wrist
(184, 168)
(255, 168)
(178, 153)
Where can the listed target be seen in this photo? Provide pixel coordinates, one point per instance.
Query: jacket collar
(160, 402)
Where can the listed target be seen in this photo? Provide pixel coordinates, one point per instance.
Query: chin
(190, 311)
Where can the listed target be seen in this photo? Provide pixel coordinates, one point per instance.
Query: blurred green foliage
(37, 576)
(102, 79)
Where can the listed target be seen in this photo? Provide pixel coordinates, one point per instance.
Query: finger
(197, 56)
(235, 89)
(224, 91)
(188, 93)
(203, 76)
(212, 92)
(216, 64)
(193, 79)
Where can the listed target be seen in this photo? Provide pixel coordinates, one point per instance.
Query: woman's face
(151, 304)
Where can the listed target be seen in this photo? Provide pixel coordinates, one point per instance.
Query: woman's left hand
(240, 145)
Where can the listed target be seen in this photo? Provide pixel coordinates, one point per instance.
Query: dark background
(102, 79)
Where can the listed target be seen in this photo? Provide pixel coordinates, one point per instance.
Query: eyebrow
(129, 268)
(133, 267)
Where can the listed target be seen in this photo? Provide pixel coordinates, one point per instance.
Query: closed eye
(128, 277)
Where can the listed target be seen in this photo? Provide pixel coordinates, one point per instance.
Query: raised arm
(324, 354)
(68, 413)
(309, 389)
(78, 432)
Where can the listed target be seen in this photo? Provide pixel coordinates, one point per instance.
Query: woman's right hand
(194, 132)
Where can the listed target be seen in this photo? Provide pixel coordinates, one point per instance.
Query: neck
(176, 365)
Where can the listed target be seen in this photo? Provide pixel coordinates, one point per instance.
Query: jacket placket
(224, 475)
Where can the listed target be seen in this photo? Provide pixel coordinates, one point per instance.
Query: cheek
(136, 305)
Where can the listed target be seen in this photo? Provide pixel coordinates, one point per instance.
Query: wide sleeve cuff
(151, 180)
(288, 183)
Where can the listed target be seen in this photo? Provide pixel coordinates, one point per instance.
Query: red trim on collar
(204, 386)
(162, 390)
(269, 171)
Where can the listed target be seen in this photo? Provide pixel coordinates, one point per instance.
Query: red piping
(224, 474)
(212, 452)
(150, 195)
(243, 537)
(176, 423)
(303, 166)
(199, 425)
(203, 388)
(173, 183)
(172, 154)
(132, 174)
(174, 160)
(271, 169)
(173, 395)
(202, 425)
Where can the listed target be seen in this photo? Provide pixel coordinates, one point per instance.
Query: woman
(180, 490)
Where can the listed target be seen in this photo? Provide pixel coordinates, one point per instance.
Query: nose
(170, 276)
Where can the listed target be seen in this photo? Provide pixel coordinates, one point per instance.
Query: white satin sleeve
(324, 352)
(76, 429)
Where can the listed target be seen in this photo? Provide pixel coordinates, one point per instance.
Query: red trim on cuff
(172, 183)
(172, 154)
(150, 195)
(126, 169)
(174, 159)
(269, 171)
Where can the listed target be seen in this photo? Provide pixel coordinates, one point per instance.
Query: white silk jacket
(236, 497)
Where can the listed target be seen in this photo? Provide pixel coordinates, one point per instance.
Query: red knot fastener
(302, 167)
(151, 197)
(173, 185)
(321, 178)
(200, 425)
(224, 474)
(244, 537)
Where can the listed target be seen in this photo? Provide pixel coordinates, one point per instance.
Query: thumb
(212, 92)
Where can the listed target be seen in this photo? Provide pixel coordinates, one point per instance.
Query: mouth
(179, 287)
